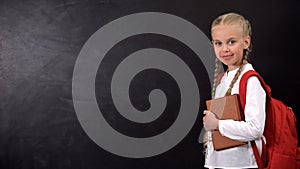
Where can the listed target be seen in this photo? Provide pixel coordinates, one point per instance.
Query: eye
(217, 43)
(231, 42)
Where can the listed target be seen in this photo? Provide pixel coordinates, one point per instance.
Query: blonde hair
(229, 19)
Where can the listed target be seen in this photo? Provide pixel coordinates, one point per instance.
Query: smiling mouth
(226, 56)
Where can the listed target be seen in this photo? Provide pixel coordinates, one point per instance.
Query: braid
(216, 79)
(217, 65)
(244, 61)
(216, 73)
(205, 141)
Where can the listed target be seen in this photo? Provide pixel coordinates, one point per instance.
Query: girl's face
(229, 44)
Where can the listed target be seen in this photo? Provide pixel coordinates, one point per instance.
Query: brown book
(227, 107)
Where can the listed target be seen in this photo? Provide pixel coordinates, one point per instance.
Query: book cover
(227, 107)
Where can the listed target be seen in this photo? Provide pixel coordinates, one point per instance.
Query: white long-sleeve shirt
(250, 129)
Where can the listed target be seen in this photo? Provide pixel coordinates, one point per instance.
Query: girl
(231, 38)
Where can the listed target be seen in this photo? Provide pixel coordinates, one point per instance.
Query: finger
(205, 112)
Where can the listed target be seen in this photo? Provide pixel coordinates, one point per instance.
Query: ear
(247, 42)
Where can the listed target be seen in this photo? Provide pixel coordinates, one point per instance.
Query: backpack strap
(260, 160)
(243, 86)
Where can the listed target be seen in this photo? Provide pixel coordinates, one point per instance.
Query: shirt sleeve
(255, 115)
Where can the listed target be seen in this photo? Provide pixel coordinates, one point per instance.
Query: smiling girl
(231, 38)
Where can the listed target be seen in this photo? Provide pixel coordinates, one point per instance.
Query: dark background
(41, 39)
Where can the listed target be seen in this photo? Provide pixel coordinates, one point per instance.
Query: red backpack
(281, 150)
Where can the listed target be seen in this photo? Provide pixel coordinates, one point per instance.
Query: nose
(225, 47)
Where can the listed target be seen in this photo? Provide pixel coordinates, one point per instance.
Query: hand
(210, 122)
